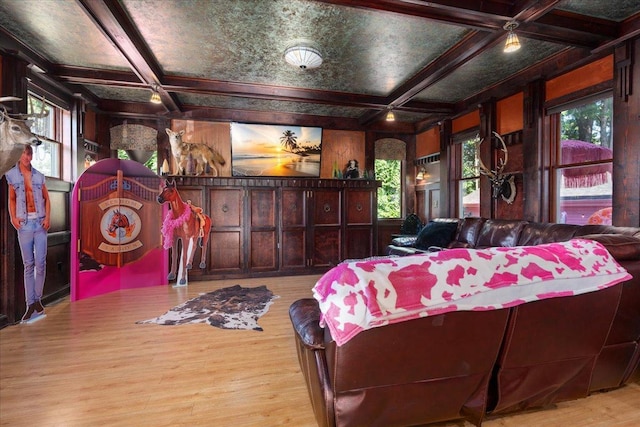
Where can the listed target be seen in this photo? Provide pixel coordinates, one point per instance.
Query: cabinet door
(293, 246)
(263, 238)
(226, 211)
(326, 244)
(359, 224)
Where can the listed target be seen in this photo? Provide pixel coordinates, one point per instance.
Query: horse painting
(186, 223)
(120, 220)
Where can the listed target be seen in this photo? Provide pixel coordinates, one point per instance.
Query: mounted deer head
(502, 185)
(15, 133)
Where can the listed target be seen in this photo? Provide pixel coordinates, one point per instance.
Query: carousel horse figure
(187, 223)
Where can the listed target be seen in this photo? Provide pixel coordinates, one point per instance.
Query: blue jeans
(33, 245)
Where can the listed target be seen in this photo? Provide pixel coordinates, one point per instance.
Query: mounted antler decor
(502, 184)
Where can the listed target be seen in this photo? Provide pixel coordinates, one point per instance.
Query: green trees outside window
(390, 193)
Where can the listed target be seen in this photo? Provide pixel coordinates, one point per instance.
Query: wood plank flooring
(88, 364)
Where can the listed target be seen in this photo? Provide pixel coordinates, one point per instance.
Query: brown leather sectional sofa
(466, 365)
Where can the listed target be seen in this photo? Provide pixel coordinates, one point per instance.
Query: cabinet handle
(225, 208)
(359, 207)
(327, 207)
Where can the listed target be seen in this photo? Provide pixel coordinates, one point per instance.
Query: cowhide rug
(234, 307)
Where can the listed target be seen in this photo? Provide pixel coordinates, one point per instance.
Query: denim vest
(16, 180)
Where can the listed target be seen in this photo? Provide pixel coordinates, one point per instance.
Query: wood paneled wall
(339, 147)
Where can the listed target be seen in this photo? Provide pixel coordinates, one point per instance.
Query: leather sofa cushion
(499, 232)
(469, 230)
(437, 234)
(620, 246)
(538, 233)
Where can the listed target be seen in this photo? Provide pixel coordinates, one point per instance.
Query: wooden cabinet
(360, 219)
(226, 243)
(283, 225)
(293, 231)
(326, 228)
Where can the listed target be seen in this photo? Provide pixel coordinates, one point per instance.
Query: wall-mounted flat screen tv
(275, 150)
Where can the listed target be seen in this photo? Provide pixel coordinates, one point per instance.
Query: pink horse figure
(183, 222)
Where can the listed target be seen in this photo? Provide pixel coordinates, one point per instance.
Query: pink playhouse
(115, 232)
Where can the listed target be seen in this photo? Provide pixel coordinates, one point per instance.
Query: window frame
(457, 141)
(556, 164)
(54, 135)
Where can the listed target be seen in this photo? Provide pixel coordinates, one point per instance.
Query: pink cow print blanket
(359, 295)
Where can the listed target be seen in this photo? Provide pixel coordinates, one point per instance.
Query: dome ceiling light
(303, 57)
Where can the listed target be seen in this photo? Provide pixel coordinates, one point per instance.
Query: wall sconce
(390, 116)
(422, 174)
(513, 43)
(155, 96)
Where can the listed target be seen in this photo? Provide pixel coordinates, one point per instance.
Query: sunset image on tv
(270, 150)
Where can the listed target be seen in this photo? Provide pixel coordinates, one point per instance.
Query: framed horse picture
(274, 150)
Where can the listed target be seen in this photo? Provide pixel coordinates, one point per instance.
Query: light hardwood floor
(89, 364)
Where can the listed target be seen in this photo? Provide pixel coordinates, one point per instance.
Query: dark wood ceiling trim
(465, 50)
(179, 84)
(11, 45)
(246, 116)
(92, 76)
(488, 15)
(468, 48)
(560, 63)
(563, 27)
(130, 109)
(531, 10)
(628, 29)
(114, 23)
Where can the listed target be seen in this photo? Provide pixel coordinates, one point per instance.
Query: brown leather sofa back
(550, 350)
(421, 371)
(468, 232)
(499, 232)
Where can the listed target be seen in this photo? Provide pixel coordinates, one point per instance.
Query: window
(469, 180)
(47, 157)
(389, 200)
(389, 156)
(584, 184)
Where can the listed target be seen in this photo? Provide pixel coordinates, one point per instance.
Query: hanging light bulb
(390, 116)
(513, 43)
(155, 96)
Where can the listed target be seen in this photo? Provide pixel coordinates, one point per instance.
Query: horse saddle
(200, 214)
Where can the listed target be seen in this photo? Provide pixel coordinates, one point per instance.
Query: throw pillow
(437, 234)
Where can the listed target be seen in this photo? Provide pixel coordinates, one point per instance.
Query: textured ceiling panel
(61, 32)
(230, 102)
(487, 69)
(614, 10)
(117, 93)
(365, 51)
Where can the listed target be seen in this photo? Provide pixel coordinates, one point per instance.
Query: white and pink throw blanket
(359, 295)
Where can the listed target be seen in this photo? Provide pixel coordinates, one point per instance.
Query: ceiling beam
(469, 47)
(179, 84)
(112, 20)
(493, 15)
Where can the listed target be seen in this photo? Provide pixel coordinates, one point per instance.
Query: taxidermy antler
(502, 185)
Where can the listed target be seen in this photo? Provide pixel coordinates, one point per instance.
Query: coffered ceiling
(224, 59)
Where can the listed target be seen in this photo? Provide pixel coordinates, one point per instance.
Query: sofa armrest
(620, 246)
(404, 240)
(305, 318)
